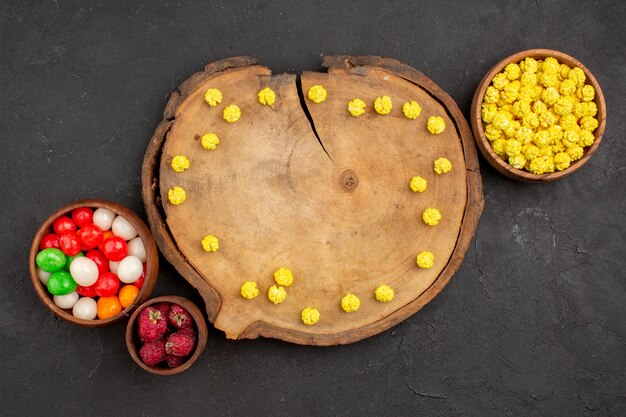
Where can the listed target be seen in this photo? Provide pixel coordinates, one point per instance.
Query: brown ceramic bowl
(133, 343)
(152, 261)
(483, 143)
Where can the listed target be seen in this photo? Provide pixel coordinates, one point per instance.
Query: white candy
(113, 266)
(84, 271)
(86, 308)
(43, 276)
(123, 229)
(136, 248)
(130, 269)
(66, 301)
(103, 218)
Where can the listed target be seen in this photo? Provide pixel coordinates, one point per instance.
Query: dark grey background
(533, 324)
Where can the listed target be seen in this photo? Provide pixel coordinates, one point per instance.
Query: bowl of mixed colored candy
(93, 262)
(538, 115)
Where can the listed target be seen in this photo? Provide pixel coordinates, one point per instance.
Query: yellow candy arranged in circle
(180, 163)
(210, 243)
(317, 94)
(425, 259)
(249, 290)
(284, 277)
(350, 303)
(210, 141)
(436, 125)
(442, 166)
(384, 293)
(356, 107)
(213, 97)
(418, 184)
(431, 216)
(310, 316)
(176, 196)
(383, 105)
(232, 113)
(411, 110)
(276, 294)
(267, 96)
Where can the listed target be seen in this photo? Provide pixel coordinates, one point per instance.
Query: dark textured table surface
(533, 324)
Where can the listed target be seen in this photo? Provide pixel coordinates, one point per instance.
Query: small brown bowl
(132, 341)
(152, 261)
(483, 143)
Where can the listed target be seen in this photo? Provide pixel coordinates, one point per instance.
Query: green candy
(71, 259)
(61, 283)
(51, 260)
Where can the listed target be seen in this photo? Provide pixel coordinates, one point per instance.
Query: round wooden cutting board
(308, 187)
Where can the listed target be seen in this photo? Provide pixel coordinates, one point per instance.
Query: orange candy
(108, 307)
(127, 295)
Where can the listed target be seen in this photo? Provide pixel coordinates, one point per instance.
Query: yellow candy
(569, 122)
(436, 125)
(317, 94)
(529, 79)
(284, 277)
(356, 107)
(232, 113)
(350, 303)
(550, 95)
(510, 93)
(276, 294)
(512, 71)
(588, 93)
(541, 165)
(384, 293)
(564, 71)
(267, 96)
(543, 138)
(210, 243)
(498, 147)
(562, 161)
(563, 106)
(550, 65)
(431, 216)
(548, 79)
(488, 111)
(383, 105)
(500, 81)
(501, 120)
(492, 133)
(575, 152)
(530, 120)
(425, 260)
(512, 147)
(588, 123)
(492, 95)
(210, 141)
(539, 107)
(180, 163)
(587, 138)
(418, 184)
(443, 166)
(531, 152)
(567, 87)
(310, 316)
(249, 290)
(213, 97)
(411, 110)
(578, 76)
(529, 64)
(517, 161)
(176, 196)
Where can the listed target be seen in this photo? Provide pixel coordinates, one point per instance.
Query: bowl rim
(202, 334)
(152, 262)
(484, 145)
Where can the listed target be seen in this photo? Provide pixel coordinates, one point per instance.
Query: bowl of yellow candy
(538, 115)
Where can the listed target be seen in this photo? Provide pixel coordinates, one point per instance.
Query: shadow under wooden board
(311, 188)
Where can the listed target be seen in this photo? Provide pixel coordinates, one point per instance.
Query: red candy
(115, 248)
(63, 225)
(89, 291)
(69, 243)
(101, 261)
(90, 236)
(51, 240)
(142, 278)
(105, 236)
(82, 216)
(107, 284)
